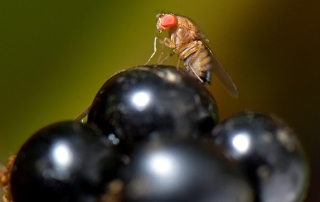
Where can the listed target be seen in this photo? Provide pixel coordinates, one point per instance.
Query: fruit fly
(188, 43)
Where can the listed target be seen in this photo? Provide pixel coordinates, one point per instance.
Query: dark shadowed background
(54, 56)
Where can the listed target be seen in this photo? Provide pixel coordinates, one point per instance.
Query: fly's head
(166, 21)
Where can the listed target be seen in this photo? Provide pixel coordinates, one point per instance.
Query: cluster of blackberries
(153, 134)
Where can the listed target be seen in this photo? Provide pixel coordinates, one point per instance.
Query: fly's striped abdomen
(199, 62)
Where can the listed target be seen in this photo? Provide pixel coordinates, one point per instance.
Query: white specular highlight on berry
(241, 142)
(141, 100)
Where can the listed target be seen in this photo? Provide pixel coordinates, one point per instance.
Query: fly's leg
(154, 49)
(186, 51)
(178, 63)
(168, 56)
(190, 67)
(194, 57)
(167, 42)
(196, 50)
(161, 41)
(81, 117)
(164, 42)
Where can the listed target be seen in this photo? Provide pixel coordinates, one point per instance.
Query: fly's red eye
(168, 21)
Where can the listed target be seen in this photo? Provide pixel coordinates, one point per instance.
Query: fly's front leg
(154, 49)
(164, 42)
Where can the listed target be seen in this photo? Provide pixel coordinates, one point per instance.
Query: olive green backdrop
(55, 55)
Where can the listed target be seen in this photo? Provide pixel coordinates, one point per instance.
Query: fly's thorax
(186, 23)
(181, 37)
(189, 26)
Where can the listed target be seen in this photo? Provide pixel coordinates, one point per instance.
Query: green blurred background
(55, 55)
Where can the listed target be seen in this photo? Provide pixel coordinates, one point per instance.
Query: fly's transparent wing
(222, 75)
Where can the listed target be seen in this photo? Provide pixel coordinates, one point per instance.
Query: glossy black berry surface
(66, 161)
(148, 101)
(183, 170)
(269, 152)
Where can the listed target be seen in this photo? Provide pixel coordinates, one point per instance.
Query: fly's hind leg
(192, 59)
(191, 68)
(178, 63)
(193, 51)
